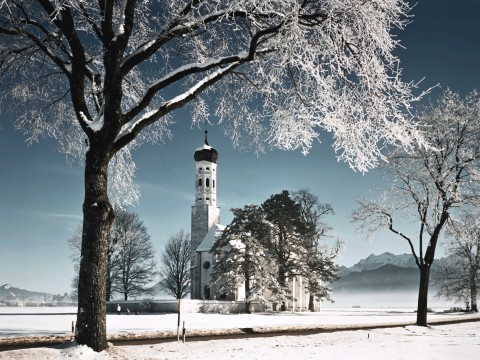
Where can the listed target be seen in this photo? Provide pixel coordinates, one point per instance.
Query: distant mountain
(13, 296)
(384, 272)
(375, 261)
(387, 277)
(9, 293)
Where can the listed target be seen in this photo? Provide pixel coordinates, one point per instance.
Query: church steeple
(205, 212)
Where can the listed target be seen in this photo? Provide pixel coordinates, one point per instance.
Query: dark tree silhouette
(133, 259)
(175, 265)
(131, 265)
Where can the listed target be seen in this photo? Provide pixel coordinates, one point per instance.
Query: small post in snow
(178, 320)
(183, 331)
(73, 326)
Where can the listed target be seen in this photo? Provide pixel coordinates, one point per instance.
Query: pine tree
(241, 257)
(286, 243)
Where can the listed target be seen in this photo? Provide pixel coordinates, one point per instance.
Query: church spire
(206, 140)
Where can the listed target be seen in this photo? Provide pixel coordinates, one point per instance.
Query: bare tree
(459, 277)
(430, 183)
(95, 74)
(175, 265)
(135, 256)
(113, 262)
(319, 257)
(175, 269)
(131, 265)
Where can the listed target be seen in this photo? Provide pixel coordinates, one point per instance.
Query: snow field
(410, 342)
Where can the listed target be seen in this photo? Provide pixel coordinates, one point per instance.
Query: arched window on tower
(199, 182)
(207, 182)
(213, 183)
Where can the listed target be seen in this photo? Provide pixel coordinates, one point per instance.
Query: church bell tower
(205, 212)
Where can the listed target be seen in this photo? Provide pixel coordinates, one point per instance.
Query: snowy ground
(457, 341)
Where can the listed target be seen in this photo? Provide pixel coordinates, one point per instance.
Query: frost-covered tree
(241, 257)
(459, 276)
(318, 257)
(104, 76)
(430, 184)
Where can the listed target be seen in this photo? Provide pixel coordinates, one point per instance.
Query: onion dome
(206, 153)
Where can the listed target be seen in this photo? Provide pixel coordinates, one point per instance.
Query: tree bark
(422, 307)
(473, 297)
(98, 217)
(311, 303)
(248, 307)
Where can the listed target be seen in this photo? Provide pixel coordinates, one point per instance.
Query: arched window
(213, 183)
(199, 182)
(207, 182)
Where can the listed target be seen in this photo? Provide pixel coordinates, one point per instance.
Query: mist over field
(385, 299)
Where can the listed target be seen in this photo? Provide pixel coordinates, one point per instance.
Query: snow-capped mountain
(387, 277)
(375, 261)
(11, 295)
(384, 272)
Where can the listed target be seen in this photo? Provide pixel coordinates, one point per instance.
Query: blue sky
(41, 196)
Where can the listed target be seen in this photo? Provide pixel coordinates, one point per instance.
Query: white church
(206, 228)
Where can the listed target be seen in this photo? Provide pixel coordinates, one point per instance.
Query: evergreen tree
(286, 243)
(319, 257)
(241, 257)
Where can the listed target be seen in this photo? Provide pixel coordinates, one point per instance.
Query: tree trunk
(423, 295)
(108, 290)
(248, 308)
(98, 217)
(311, 303)
(473, 297)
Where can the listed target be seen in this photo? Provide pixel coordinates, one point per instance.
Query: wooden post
(73, 326)
(183, 331)
(178, 321)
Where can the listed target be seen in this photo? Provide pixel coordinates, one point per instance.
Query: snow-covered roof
(213, 234)
(206, 152)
